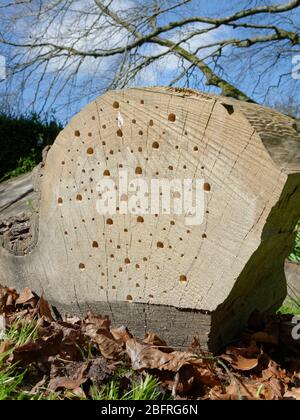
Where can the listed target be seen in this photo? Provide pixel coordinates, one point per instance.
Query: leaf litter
(72, 356)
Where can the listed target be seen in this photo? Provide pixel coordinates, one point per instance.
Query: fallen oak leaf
(44, 309)
(241, 363)
(97, 321)
(121, 334)
(5, 346)
(153, 340)
(8, 297)
(146, 357)
(292, 394)
(39, 350)
(26, 296)
(108, 346)
(65, 383)
(238, 360)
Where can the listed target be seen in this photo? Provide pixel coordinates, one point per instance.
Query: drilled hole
(127, 261)
(129, 298)
(60, 201)
(106, 172)
(159, 244)
(183, 278)
(123, 197)
(138, 170)
(77, 133)
(140, 219)
(151, 123)
(79, 197)
(207, 187)
(155, 145)
(120, 133)
(116, 105)
(90, 151)
(109, 222)
(95, 244)
(81, 267)
(172, 117)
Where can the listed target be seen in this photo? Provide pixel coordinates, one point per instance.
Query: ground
(46, 358)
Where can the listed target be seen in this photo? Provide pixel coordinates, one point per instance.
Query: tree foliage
(22, 141)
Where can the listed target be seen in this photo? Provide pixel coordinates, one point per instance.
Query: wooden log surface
(154, 270)
(17, 195)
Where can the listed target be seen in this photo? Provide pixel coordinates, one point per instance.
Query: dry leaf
(5, 346)
(146, 357)
(293, 394)
(121, 335)
(67, 383)
(44, 309)
(25, 296)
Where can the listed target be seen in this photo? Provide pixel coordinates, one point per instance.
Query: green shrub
(22, 140)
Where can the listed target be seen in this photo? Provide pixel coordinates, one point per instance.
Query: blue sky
(252, 74)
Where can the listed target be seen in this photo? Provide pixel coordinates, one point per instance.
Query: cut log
(17, 195)
(161, 268)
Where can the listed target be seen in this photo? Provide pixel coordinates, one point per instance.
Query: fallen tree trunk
(162, 267)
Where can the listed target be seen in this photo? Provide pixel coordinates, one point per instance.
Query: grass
(21, 333)
(9, 382)
(15, 384)
(295, 256)
(292, 307)
(146, 389)
(11, 377)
